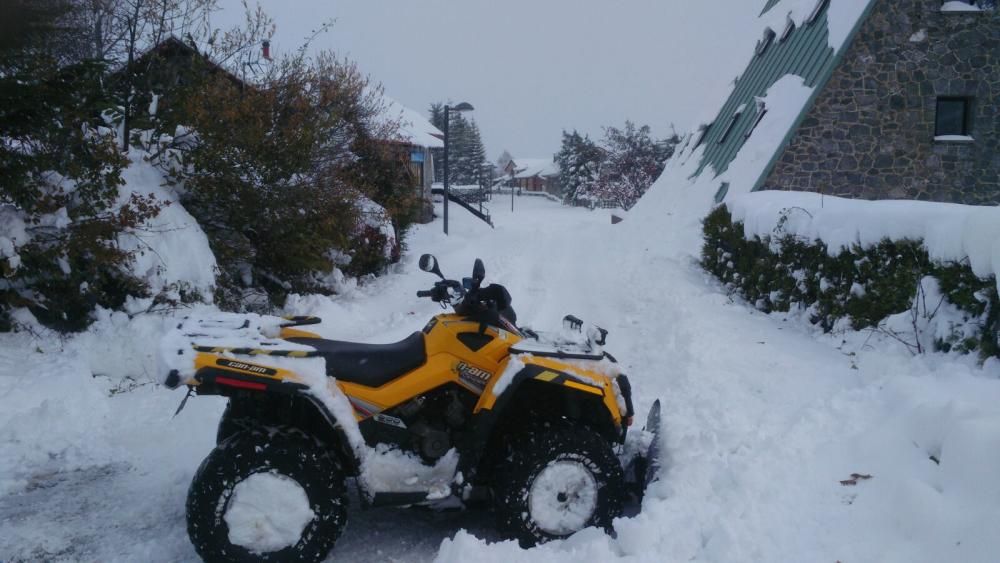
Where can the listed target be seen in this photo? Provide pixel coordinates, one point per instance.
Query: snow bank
(950, 232)
(170, 249)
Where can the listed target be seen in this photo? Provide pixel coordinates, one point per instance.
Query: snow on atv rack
(577, 341)
(229, 334)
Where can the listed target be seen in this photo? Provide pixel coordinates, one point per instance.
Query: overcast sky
(532, 68)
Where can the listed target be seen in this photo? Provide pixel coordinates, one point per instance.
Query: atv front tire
(284, 496)
(556, 481)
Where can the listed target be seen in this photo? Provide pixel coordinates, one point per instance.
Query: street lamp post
(464, 106)
(512, 191)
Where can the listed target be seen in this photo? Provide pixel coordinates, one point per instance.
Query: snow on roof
(530, 167)
(414, 128)
(842, 15)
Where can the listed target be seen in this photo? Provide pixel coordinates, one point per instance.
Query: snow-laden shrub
(857, 287)
(279, 175)
(60, 179)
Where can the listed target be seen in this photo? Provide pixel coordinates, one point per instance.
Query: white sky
(535, 67)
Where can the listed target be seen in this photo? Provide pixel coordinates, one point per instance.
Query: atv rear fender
(271, 396)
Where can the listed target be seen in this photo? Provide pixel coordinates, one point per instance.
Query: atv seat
(371, 365)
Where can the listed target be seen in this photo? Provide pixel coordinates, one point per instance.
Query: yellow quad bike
(469, 409)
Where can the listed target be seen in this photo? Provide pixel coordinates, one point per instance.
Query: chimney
(266, 45)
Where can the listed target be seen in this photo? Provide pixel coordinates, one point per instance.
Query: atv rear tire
(556, 481)
(231, 423)
(283, 459)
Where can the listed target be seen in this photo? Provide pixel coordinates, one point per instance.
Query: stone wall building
(902, 101)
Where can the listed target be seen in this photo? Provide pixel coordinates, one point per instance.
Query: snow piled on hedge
(950, 232)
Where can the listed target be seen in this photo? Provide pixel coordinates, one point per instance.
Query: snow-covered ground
(765, 420)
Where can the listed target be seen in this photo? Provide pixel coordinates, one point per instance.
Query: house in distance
(534, 174)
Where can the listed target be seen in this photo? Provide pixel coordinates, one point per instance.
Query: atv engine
(432, 420)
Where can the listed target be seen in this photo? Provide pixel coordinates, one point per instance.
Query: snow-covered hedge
(862, 264)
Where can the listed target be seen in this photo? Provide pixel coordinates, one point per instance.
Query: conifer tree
(466, 152)
(579, 162)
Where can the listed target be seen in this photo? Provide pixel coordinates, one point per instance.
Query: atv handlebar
(491, 303)
(440, 292)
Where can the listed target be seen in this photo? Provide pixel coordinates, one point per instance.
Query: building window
(954, 117)
(761, 112)
(732, 123)
(820, 6)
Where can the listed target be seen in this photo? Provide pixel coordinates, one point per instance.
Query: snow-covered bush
(619, 171)
(277, 174)
(60, 178)
(887, 286)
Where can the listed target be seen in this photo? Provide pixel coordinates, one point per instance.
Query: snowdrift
(171, 250)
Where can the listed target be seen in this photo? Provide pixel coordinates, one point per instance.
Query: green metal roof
(770, 4)
(806, 53)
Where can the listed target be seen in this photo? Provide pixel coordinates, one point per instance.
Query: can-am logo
(242, 366)
(473, 376)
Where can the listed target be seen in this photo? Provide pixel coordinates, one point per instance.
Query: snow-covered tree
(579, 162)
(503, 161)
(633, 161)
(60, 175)
(466, 152)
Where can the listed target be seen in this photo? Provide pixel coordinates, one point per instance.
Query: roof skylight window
(761, 112)
(765, 41)
(732, 123)
(820, 6)
(789, 28)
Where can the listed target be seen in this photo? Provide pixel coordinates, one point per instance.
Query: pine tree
(436, 113)
(466, 152)
(579, 162)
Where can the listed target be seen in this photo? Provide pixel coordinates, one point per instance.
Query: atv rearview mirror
(478, 272)
(429, 263)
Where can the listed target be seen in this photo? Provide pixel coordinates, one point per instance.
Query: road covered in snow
(782, 444)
